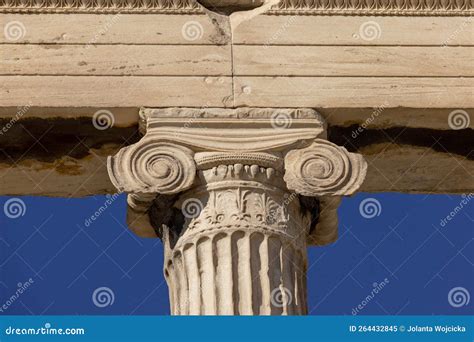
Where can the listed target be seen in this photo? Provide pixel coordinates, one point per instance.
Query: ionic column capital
(236, 195)
(287, 145)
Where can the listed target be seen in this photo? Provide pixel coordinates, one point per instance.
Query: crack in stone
(226, 16)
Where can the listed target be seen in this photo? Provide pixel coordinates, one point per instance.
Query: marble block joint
(236, 195)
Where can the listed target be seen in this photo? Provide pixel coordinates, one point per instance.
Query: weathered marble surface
(229, 192)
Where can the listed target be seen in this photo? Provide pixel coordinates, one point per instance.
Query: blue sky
(418, 265)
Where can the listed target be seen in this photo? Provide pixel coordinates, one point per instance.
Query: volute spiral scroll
(236, 197)
(324, 169)
(153, 167)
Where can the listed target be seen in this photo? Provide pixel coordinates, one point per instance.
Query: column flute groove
(235, 196)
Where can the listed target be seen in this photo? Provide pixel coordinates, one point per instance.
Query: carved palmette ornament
(283, 7)
(324, 169)
(237, 209)
(152, 167)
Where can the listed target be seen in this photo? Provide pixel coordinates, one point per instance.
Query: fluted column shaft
(242, 250)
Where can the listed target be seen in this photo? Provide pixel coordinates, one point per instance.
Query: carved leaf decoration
(312, 7)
